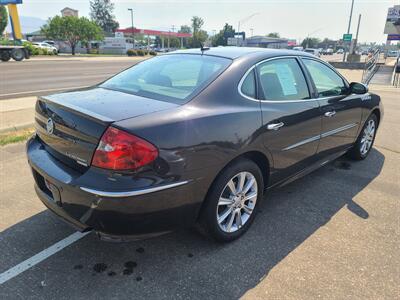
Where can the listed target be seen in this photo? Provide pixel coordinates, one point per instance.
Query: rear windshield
(174, 78)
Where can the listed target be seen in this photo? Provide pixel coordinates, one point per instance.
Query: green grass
(15, 136)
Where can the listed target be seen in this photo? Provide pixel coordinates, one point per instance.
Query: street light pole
(348, 28)
(133, 33)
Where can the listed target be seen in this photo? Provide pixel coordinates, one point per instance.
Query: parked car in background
(52, 43)
(46, 46)
(340, 51)
(312, 51)
(194, 137)
(298, 48)
(328, 51)
(393, 53)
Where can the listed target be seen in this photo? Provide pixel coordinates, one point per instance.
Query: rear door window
(282, 79)
(248, 87)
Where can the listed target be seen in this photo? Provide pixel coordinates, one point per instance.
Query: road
(334, 234)
(39, 76)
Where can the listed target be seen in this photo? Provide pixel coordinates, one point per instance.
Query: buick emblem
(50, 126)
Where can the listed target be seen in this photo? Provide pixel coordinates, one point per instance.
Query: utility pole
(348, 28)
(358, 29)
(358, 26)
(133, 33)
(251, 30)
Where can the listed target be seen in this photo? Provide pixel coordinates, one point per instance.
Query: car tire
(225, 215)
(365, 140)
(5, 56)
(18, 54)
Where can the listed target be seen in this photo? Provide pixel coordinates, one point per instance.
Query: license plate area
(47, 187)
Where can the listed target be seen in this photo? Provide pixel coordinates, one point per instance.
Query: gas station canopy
(154, 32)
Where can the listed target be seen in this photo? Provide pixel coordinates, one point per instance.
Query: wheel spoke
(242, 178)
(249, 185)
(250, 196)
(230, 222)
(362, 147)
(225, 215)
(232, 187)
(225, 201)
(238, 219)
(247, 209)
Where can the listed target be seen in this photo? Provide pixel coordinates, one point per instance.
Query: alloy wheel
(237, 202)
(368, 137)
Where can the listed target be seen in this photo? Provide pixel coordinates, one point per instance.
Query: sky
(291, 18)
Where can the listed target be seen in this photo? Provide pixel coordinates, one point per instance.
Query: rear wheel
(18, 54)
(365, 140)
(5, 55)
(232, 202)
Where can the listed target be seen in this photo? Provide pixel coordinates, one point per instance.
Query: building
(267, 42)
(69, 12)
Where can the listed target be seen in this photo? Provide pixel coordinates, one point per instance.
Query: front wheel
(365, 140)
(231, 203)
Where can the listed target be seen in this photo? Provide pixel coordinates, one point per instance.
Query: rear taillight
(119, 150)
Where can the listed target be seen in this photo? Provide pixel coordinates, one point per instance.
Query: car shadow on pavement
(183, 264)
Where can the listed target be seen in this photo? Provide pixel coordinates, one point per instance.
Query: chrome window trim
(320, 136)
(289, 101)
(269, 101)
(132, 193)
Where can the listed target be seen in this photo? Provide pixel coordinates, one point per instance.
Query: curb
(16, 128)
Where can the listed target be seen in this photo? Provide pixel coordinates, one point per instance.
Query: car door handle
(275, 126)
(330, 114)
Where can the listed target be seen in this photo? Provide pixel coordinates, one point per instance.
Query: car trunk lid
(71, 124)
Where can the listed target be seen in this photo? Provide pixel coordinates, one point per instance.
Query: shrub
(131, 52)
(153, 53)
(140, 52)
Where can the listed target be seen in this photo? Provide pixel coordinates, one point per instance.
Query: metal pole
(358, 26)
(348, 28)
(133, 33)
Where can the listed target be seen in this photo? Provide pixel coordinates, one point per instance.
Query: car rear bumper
(113, 204)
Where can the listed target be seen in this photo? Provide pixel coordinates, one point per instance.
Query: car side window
(248, 87)
(282, 79)
(326, 81)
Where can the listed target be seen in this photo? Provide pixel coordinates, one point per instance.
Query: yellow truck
(16, 51)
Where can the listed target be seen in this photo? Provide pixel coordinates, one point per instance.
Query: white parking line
(37, 258)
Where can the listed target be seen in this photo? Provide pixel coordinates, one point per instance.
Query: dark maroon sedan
(194, 138)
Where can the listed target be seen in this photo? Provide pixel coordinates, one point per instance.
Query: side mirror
(358, 88)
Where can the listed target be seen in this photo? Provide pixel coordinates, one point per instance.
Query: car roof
(236, 52)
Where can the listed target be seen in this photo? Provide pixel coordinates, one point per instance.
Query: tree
(221, 38)
(101, 11)
(185, 29)
(274, 35)
(72, 30)
(197, 23)
(3, 18)
(310, 42)
(199, 35)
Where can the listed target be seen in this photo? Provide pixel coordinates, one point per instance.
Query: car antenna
(202, 48)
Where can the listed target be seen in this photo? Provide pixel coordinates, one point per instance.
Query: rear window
(174, 78)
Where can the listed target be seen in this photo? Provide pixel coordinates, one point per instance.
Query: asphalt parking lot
(332, 234)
